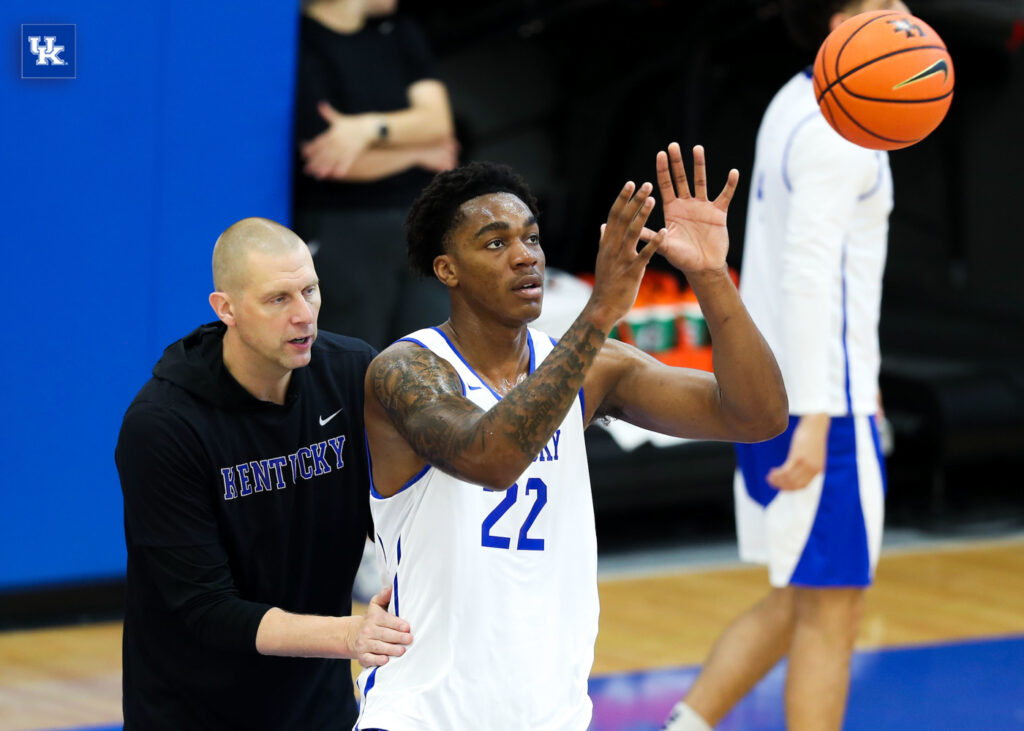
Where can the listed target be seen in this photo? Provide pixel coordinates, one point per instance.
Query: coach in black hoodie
(245, 482)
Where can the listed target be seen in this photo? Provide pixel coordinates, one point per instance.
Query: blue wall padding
(113, 188)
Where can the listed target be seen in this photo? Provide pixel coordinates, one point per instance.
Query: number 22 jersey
(500, 587)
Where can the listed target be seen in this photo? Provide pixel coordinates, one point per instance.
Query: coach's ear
(221, 304)
(444, 269)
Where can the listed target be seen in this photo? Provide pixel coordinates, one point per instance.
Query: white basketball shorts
(827, 534)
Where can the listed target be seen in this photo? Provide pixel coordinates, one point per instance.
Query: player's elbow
(499, 485)
(759, 431)
(769, 420)
(773, 421)
(776, 423)
(776, 414)
(496, 479)
(493, 472)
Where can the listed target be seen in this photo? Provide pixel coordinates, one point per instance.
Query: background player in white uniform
(809, 503)
(475, 431)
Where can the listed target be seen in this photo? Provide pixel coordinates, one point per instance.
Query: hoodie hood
(196, 364)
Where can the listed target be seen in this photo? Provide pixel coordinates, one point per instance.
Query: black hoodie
(232, 506)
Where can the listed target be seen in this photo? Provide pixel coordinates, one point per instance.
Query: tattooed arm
(421, 397)
(415, 409)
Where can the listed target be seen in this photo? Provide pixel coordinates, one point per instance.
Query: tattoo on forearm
(531, 412)
(421, 395)
(417, 392)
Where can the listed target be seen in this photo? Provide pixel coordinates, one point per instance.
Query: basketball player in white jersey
(481, 496)
(810, 502)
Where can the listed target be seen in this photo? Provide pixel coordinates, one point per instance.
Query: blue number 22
(534, 484)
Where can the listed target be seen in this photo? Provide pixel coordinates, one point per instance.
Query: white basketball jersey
(500, 588)
(814, 254)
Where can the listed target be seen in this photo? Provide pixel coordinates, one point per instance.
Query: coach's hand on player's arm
(380, 634)
(806, 457)
(371, 639)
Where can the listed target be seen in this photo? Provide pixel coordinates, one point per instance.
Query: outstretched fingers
(616, 219)
(630, 205)
(622, 200)
(664, 178)
(646, 234)
(651, 247)
(700, 175)
(675, 158)
(725, 197)
(636, 225)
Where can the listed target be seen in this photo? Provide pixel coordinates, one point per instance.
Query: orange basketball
(883, 79)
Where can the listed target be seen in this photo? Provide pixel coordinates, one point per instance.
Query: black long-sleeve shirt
(370, 70)
(233, 506)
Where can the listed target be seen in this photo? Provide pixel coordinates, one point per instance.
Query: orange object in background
(883, 79)
(666, 321)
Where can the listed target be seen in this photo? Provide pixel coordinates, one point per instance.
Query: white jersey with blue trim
(499, 587)
(814, 254)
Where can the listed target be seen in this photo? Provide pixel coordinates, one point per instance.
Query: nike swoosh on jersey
(323, 421)
(473, 388)
(937, 67)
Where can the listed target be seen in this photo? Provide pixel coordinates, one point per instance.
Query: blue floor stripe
(947, 687)
(967, 685)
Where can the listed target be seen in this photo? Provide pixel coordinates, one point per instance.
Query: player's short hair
(807, 20)
(435, 214)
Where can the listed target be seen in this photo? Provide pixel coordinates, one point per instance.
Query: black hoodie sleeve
(163, 467)
(170, 526)
(196, 584)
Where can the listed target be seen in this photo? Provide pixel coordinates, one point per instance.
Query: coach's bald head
(233, 247)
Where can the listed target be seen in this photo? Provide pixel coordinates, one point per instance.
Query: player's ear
(444, 269)
(222, 306)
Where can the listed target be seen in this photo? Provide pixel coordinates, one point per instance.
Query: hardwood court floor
(70, 677)
(960, 591)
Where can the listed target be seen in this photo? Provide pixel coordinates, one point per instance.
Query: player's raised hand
(620, 267)
(380, 634)
(696, 238)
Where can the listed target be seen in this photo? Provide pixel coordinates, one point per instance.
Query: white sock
(684, 718)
